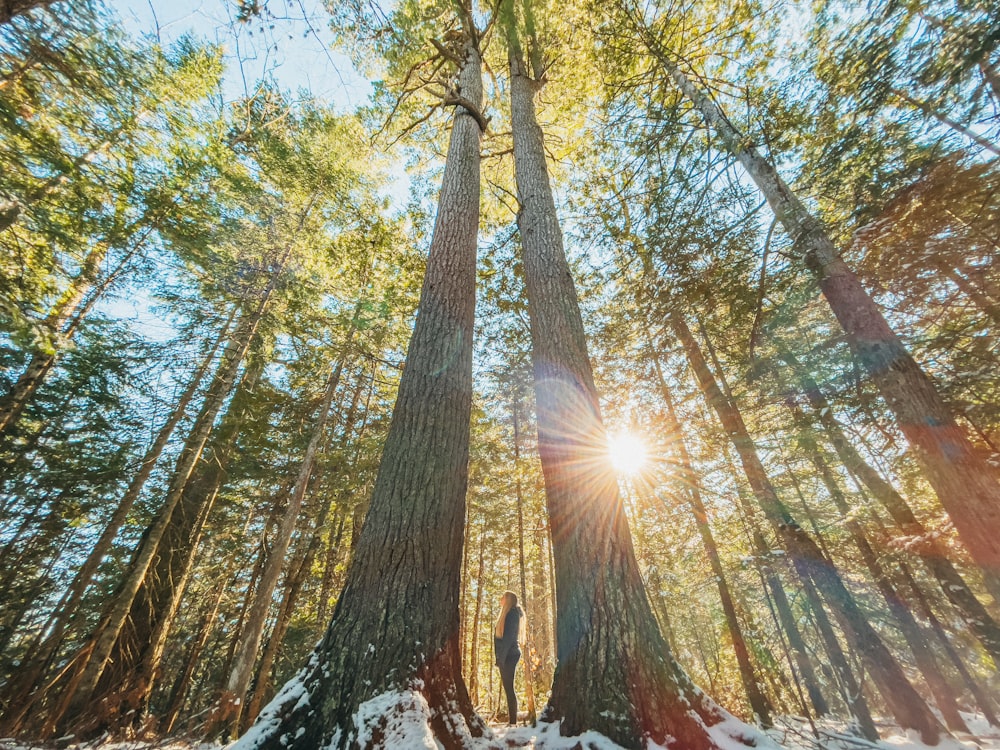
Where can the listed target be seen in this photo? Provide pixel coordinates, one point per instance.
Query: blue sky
(294, 46)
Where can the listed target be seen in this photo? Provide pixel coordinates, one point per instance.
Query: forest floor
(790, 733)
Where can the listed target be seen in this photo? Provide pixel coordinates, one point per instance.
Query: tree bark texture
(614, 672)
(396, 624)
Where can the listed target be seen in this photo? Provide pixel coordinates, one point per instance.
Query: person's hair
(509, 600)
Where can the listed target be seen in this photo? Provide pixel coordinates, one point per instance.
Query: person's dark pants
(507, 676)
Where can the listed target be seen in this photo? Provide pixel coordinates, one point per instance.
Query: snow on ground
(406, 728)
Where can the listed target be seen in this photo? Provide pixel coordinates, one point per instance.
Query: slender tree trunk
(985, 702)
(908, 626)
(79, 693)
(136, 662)
(394, 631)
(985, 305)
(965, 484)
(932, 553)
(907, 706)
(246, 653)
(529, 677)
(615, 673)
(942, 118)
(759, 704)
(480, 589)
(179, 691)
(56, 626)
(293, 587)
(61, 325)
(851, 691)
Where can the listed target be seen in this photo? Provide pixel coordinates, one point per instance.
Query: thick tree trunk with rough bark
(615, 673)
(907, 706)
(394, 632)
(965, 483)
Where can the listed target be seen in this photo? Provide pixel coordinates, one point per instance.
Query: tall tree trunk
(293, 587)
(907, 706)
(966, 485)
(931, 552)
(121, 695)
(62, 323)
(394, 631)
(851, 691)
(985, 702)
(296, 576)
(759, 704)
(615, 673)
(179, 691)
(480, 589)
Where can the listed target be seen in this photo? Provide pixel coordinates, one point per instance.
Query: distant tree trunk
(394, 631)
(966, 485)
(908, 626)
(851, 690)
(474, 655)
(759, 704)
(77, 701)
(60, 326)
(985, 304)
(86, 572)
(932, 553)
(985, 702)
(529, 677)
(614, 673)
(293, 587)
(790, 626)
(62, 323)
(124, 688)
(233, 700)
(179, 691)
(907, 706)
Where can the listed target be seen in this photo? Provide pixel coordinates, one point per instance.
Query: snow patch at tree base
(395, 719)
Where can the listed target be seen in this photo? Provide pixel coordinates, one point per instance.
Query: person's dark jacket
(507, 645)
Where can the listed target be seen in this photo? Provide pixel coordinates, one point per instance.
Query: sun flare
(627, 452)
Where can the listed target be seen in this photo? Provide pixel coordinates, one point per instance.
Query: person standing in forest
(508, 635)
